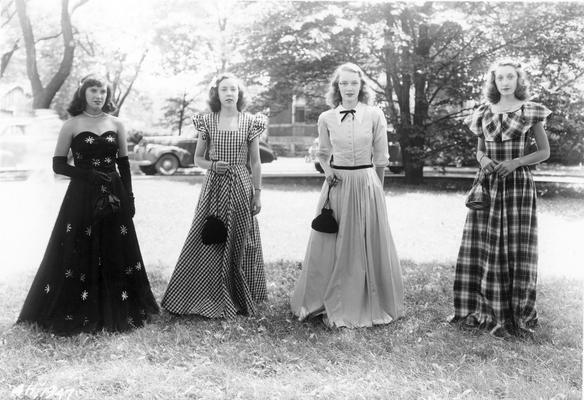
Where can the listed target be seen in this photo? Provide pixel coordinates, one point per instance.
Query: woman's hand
(504, 168)
(220, 167)
(332, 179)
(488, 165)
(256, 204)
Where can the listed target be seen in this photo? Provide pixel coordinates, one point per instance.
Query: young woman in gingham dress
(222, 280)
(496, 271)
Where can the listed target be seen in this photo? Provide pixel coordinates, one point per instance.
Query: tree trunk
(42, 97)
(181, 113)
(414, 166)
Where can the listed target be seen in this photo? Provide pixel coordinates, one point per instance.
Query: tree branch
(449, 116)
(56, 35)
(136, 72)
(9, 14)
(77, 5)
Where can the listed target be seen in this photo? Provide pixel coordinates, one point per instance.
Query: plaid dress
(496, 270)
(221, 280)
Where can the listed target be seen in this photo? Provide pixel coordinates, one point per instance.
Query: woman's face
(95, 97)
(228, 92)
(506, 80)
(349, 85)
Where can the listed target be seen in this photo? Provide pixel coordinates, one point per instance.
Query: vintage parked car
(166, 154)
(395, 156)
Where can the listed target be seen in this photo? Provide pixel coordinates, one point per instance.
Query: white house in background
(27, 136)
(15, 100)
(289, 133)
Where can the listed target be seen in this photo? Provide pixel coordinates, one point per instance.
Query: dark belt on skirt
(352, 167)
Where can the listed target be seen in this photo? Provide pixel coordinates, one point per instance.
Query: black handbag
(478, 197)
(325, 222)
(214, 230)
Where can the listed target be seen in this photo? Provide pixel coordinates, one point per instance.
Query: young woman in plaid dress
(496, 271)
(224, 279)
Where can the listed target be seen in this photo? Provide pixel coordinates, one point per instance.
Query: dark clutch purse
(214, 231)
(325, 222)
(106, 204)
(478, 197)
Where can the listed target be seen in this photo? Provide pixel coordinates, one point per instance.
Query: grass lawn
(272, 356)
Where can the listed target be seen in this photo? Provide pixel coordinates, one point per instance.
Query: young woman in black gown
(92, 276)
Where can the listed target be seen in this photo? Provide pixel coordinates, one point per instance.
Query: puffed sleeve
(324, 138)
(258, 125)
(535, 112)
(201, 125)
(475, 120)
(380, 148)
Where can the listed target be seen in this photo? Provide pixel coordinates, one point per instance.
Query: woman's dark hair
(491, 92)
(333, 96)
(214, 102)
(79, 102)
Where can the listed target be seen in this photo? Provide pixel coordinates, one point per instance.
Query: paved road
(297, 167)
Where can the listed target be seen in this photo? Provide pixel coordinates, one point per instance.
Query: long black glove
(126, 175)
(91, 176)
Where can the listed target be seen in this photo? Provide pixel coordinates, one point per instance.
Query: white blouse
(358, 140)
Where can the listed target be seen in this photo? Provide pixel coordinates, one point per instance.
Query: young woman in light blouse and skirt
(351, 278)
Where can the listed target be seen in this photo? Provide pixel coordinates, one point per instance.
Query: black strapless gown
(92, 276)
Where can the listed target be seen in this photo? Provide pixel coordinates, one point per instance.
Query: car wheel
(167, 164)
(148, 169)
(396, 170)
(318, 167)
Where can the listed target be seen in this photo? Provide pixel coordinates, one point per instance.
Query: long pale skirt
(354, 276)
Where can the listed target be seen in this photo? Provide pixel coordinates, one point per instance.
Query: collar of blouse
(359, 112)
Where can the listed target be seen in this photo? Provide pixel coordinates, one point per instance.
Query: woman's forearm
(201, 162)
(256, 175)
(380, 171)
(534, 158)
(324, 161)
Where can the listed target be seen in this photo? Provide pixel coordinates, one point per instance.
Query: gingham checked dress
(221, 280)
(496, 271)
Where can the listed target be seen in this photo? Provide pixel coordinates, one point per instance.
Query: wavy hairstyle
(214, 101)
(491, 92)
(333, 96)
(79, 102)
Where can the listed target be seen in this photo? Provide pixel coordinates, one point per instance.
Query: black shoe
(471, 322)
